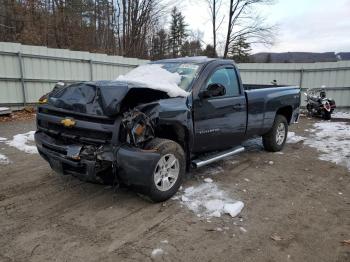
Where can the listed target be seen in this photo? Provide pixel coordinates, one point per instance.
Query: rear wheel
(275, 139)
(169, 171)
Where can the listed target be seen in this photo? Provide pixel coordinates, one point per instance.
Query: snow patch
(2, 139)
(292, 138)
(155, 77)
(332, 139)
(208, 180)
(209, 201)
(243, 229)
(157, 252)
(4, 160)
(343, 115)
(22, 142)
(233, 209)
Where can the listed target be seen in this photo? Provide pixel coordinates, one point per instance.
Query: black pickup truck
(129, 133)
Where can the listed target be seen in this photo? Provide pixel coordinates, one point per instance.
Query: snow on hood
(153, 76)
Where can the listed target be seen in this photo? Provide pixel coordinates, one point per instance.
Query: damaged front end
(84, 134)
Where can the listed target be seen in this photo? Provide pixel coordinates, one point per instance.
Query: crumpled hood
(97, 98)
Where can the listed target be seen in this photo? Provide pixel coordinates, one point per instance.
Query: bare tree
(243, 22)
(125, 27)
(214, 8)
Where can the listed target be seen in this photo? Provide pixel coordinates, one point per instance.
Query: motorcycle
(318, 104)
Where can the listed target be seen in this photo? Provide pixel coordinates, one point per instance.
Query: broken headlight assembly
(138, 127)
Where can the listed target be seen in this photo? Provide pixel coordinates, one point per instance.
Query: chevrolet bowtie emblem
(67, 122)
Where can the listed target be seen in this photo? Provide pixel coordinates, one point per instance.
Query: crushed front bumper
(134, 166)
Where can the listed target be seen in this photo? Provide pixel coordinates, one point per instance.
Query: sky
(303, 25)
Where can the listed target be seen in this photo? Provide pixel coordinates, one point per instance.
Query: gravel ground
(297, 208)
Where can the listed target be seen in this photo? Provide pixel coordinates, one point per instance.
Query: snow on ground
(255, 144)
(157, 252)
(208, 180)
(208, 200)
(23, 142)
(332, 139)
(4, 160)
(292, 138)
(344, 115)
(155, 77)
(2, 139)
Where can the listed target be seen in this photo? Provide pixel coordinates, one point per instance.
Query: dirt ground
(296, 209)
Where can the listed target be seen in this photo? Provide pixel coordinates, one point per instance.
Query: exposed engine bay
(138, 127)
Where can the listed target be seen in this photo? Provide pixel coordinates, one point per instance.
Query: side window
(227, 77)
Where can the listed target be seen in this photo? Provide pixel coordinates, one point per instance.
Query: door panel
(220, 122)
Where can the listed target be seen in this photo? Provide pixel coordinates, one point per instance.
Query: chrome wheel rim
(280, 134)
(166, 172)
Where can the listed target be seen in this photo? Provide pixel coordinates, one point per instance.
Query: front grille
(88, 129)
(78, 116)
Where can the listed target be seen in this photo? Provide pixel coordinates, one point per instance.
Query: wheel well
(176, 133)
(287, 112)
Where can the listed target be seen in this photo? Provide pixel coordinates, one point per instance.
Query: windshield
(187, 71)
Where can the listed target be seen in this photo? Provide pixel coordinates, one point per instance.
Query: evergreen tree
(191, 48)
(240, 50)
(178, 31)
(209, 51)
(159, 45)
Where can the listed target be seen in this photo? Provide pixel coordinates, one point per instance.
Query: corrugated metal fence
(28, 72)
(335, 76)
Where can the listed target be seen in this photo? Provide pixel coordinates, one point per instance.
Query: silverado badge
(68, 122)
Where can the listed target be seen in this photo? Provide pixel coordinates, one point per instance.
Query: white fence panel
(335, 76)
(28, 72)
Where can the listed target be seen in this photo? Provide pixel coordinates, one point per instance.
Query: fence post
(21, 71)
(91, 70)
(301, 78)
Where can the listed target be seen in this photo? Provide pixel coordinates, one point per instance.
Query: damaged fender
(136, 166)
(171, 112)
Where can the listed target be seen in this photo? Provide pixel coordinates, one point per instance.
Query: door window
(226, 77)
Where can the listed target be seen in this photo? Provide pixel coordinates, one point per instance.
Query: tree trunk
(229, 28)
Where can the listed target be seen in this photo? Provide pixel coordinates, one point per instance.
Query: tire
(327, 115)
(167, 149)
(271, 141)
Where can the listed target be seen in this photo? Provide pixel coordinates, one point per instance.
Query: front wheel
(275, 139)
(327, 115)
(169, 171)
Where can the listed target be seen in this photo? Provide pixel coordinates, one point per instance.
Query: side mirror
(213, 90)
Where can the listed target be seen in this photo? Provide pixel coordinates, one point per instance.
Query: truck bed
(256, 86)
(263, 102)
